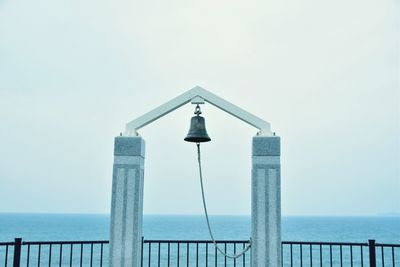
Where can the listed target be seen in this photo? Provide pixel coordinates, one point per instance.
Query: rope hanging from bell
(198, 134)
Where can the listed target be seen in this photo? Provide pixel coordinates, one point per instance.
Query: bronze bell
(197, 132)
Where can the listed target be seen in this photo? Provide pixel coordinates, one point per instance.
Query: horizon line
(387, 214)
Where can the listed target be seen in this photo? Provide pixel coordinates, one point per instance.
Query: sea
(51, 227)
(43, 227)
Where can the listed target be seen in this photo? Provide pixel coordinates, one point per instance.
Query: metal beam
(194, 94)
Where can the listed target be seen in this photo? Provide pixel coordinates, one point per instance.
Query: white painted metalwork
(198, 95)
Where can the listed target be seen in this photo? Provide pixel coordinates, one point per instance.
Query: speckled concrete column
(266, 202)
(127, 202)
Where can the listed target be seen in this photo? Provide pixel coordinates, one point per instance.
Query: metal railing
(197, 253)
(192, 253)
(340, 254)
(54, 253)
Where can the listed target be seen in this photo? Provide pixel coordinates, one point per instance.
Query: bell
(197, 132)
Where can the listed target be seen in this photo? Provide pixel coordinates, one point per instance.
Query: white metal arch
(197, 95)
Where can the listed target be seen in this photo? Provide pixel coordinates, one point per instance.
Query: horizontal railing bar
(323, 243)
(7, 243)
(196, 241)
(387, 245)
(64, 242)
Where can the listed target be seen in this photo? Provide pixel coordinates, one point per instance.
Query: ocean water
(35, 227)
(50, 227)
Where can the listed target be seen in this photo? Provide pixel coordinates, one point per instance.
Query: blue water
(96, 227)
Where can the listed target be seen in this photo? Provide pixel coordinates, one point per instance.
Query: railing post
(372, 255)
(141, 253)
(17, 252)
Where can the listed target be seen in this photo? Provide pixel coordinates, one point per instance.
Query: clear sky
(325, 74)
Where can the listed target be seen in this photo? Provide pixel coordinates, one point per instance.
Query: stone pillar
(266, 202)
(127, 202)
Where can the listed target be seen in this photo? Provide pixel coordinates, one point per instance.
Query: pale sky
(325, 74)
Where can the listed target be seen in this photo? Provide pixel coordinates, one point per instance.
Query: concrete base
(127, 202)
(266, 202)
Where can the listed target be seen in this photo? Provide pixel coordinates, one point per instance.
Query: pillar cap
(129, 146)
(266, 146)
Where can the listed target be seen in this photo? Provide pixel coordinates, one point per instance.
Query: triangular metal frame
(197, 95)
